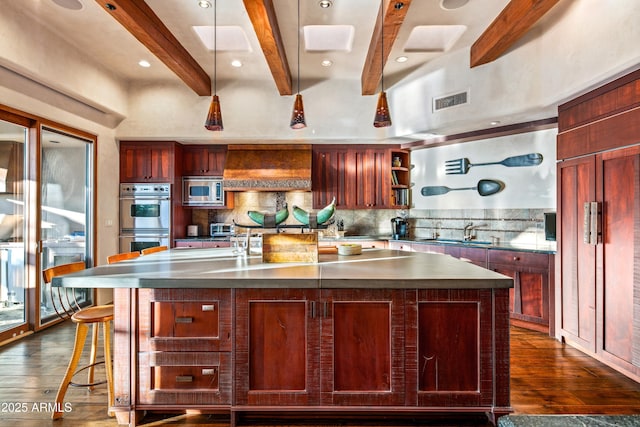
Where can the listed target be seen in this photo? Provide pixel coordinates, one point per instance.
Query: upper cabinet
(359, 177)
(157, 161)
(400, 182)
(204, 160)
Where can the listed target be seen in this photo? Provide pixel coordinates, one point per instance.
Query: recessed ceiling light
(144, 63)
(69, 4)
(204, 4)
(452, 4)
(402, 59)
(325, 3)
(326, 63)
(236, 63)
(495, 123)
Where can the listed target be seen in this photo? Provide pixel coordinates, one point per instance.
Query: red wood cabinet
(302, 347)
(361, 351)
(529, 299)
(184, 347)
(204, 160)
(358, 177)
(148, 161)
(598, 232)
(442, 370)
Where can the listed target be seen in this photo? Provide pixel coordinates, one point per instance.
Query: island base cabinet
(184, 347)
(451, 360)
(354, 352)
(277, 347)
(309, 347)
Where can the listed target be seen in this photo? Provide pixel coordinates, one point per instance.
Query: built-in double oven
(145, 216)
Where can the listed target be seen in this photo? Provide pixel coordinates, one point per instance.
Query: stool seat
(98, 313)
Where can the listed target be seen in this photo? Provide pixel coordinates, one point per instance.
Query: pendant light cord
(215, 46)
(382, 45)
(298, 76)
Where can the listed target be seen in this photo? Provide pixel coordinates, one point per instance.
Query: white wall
(524, 187)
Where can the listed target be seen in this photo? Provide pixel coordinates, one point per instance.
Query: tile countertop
(221, 268)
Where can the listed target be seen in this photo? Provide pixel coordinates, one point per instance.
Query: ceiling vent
(449, 101)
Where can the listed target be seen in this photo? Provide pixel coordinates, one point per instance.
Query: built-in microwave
(202, 191)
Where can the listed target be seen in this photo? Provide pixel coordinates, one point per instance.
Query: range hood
(267, 167)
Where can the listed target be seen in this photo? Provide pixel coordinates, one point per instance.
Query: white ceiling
(428, 34)
(93, 31)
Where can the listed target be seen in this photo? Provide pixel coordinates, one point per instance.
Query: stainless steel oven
(145, 215)
(145, 208)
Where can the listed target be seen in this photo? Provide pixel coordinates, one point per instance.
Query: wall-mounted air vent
(449, 101)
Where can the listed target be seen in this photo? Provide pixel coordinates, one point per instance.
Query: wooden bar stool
(101, 314)
(153, 249)
(122, 257)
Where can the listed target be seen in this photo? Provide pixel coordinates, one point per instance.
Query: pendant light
(297, 117)
(214, 118)
(383, 117)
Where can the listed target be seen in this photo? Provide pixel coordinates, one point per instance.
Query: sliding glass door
(13, 295)
(66, 212)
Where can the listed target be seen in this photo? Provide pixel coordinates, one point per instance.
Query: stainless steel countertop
(220, 268)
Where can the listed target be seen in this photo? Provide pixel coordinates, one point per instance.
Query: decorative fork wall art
(461, 166)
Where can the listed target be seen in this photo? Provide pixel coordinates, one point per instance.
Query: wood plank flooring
(547, 377)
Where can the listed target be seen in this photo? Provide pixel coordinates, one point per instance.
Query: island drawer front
(185, 320)
(185, 378)
(525, 259)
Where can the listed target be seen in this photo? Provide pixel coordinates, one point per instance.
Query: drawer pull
(209, 371)
(184, 319)
(516, 258)
(208, 307)
(184, 378)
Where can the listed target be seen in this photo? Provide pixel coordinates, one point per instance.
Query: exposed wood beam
(138, 18)
(394, 13)
(511, 24)
(265, 24)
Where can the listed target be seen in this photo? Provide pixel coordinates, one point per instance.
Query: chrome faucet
(467, 232)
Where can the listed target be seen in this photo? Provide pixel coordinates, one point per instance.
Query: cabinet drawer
(216, 244)
(524, 259)
(185, 378)
(185, 320)
(189, 244)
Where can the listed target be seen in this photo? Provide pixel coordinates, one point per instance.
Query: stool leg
(81, 336)
(94, 353)
(106, 326)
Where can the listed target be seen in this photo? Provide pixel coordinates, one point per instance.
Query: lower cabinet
(311, 347)
(530, 299)
(361, 351)
(184, 347)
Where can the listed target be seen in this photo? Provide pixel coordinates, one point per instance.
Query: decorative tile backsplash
(524, 227)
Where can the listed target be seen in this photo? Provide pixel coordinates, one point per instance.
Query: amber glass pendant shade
(214, 118)
(297, 118)
(383, 118)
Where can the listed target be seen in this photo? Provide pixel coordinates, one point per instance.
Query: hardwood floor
(547, 377)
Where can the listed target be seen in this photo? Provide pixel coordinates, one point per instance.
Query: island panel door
(277, 354)
(449, 348)
(362, 347)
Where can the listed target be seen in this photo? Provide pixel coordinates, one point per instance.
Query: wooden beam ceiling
(265, 24)
(394, 13)
(511, 24)
(138, 18)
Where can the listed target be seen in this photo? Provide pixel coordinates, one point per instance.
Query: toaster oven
(218, 229)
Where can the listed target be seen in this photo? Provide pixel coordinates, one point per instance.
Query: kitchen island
(382, 333)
